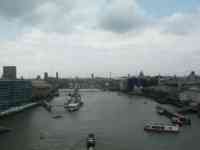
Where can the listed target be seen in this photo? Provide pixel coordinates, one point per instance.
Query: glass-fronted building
(14, 93)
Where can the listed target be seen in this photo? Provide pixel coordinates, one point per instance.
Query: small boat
(91, 141)
(42, 135)
(158, 127)
(160, 110)
(57, 116)
(72, 106)
(176, 121)
(4, 130)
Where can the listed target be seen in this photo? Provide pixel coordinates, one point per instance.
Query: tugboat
(91, 141)
(158, 127)
(74, 103)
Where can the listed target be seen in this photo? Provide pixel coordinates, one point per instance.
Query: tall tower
(92, 76)
(56, 75)
(45, 76)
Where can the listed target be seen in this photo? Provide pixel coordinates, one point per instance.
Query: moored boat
(72, 106)
(182, 118)
(176, 121)
(158, 127)
(173, 116)
(74, 102)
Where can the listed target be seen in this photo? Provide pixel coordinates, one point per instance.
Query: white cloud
(181, 23)
(122, 16)
(108, 36)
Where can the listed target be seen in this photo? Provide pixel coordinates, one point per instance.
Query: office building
(40, 89)
(14, 93)
(9, 73)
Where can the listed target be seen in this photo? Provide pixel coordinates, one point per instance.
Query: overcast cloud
(77, 37)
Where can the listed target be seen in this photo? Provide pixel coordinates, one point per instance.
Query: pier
(17, 109)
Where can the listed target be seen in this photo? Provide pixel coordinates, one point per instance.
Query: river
(116, 119)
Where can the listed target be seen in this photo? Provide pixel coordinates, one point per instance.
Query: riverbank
(31, 104)
(169, 98)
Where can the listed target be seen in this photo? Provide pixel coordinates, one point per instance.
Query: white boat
(74, 102)
(72, 106)
(158, 127)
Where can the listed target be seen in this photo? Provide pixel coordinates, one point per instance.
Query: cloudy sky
(78, 37)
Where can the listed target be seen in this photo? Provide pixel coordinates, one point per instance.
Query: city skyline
(128, 36)
(12, 74)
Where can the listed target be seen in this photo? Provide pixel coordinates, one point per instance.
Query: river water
(116, 119)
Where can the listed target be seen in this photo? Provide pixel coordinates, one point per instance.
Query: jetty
(17, 109)
(171, 115)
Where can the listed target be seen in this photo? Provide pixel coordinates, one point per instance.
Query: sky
(80, 37)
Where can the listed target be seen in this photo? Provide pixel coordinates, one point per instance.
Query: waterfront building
(123, 84)
(14, 93)
(40, 89)
(9, 72)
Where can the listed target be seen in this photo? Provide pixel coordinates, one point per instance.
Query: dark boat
(57, 116)
(91, 141)
(160, 110)
(4, 130)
